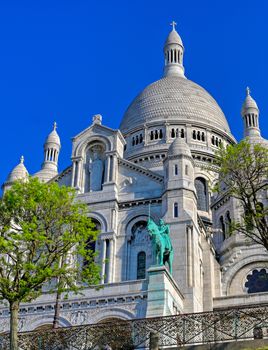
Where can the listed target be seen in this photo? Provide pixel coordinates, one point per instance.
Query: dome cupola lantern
(51, 151)
(250, 114)
(173, 51)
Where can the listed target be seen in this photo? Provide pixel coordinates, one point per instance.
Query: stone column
(103, 257)
(111, 261)
(78, 176)
(107, 169)
(189, 256)
(114, 168)
(73, 172)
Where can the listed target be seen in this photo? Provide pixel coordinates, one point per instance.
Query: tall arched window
(228, 222)
(91, 245)
(141, 265)
(202, 193)
(222, 227)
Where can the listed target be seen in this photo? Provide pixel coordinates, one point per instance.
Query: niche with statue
(95, 167)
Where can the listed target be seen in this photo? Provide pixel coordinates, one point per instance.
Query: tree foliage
(243, 173)
(43, 231)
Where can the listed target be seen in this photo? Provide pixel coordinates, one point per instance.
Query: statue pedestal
(164, 296)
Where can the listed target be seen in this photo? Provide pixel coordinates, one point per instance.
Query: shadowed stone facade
(154, 163)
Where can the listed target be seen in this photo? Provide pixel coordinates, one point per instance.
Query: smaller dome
(178, 147)
(249, 103)
(53, 137)
(173, 38)
(19, 172)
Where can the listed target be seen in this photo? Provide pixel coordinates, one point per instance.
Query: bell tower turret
(173, 51)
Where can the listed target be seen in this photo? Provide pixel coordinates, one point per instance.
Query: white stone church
(155, 164)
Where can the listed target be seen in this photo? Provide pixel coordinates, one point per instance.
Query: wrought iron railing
(172, 331)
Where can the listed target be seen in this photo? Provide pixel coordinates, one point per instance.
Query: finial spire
(173, 24)
(248, 91)
(21, 159)
(55, 126)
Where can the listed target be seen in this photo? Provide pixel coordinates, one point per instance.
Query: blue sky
(66, 60)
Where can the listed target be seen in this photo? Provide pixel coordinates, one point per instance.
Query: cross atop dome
(21, 159)
(173, 24)
(248, 91)
(55, 125)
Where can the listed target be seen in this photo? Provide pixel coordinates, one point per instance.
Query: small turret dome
(179, 147)
(53, 137)
(173, 38)
(248, 103)
(18, 173)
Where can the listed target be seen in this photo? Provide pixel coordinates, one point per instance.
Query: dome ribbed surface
(173, 38)
(249, 103)
(53, 137)
(179, 146)
(18, 173)
(174, 99)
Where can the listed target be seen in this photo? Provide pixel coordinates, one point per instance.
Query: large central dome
(174, 99)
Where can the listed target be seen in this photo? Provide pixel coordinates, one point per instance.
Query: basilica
(155, 166)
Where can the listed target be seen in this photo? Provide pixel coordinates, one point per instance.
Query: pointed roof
(19, 172)
(53, 137)
(173, 37)
(248, 103)
(179, 147)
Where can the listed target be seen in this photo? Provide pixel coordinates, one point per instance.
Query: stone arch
(232, 271)
(101, 219)
(138, 241)
(132, 218)
(81, 147)
(106, 314)
(43, 320)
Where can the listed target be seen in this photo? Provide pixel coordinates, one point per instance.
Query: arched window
(213, 140)
(91, 245)
(152, 135)
(141, 138)
(202, 193)
(175, 210)
(160, 133)
(194, 135)
(222, 227)
(175, 169)
(172, 133)
(257, 281)
(137, 139)
(141, 265)
(228, 222)
(182, 133)
(156, 134)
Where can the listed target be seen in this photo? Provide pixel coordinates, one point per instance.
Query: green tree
(43, 230)
(243, 174)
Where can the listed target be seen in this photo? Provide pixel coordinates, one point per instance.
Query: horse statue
(162, 247)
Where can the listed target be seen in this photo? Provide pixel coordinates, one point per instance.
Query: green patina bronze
(162, 247)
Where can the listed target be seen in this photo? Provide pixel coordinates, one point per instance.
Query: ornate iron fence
(172, 331)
